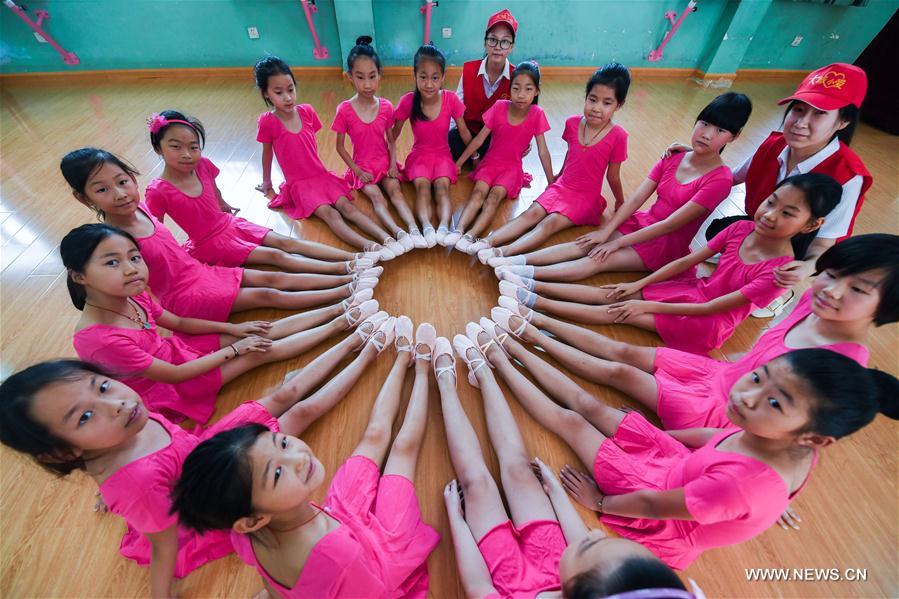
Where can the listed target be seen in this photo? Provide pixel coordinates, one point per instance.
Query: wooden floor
(51, 544)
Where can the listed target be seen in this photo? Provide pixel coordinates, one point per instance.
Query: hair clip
(156, 122)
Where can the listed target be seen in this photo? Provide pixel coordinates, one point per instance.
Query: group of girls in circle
(738, 439)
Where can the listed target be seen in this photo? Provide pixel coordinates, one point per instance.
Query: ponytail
(426, 52)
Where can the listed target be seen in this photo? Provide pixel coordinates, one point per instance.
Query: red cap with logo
(503, 16)
(832, 87)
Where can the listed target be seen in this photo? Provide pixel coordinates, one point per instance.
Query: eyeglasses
(503, 44)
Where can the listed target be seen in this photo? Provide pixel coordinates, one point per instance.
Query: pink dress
(732, 497)
(502, 164)
(524, 561)
(308, 184)
(430, 157)
(701, 334)
(380, 549)
(128, 352)
(693, 389)
(182, 284)
(708, 191)
(216, 237)
(369, 140)
(139, 492)
(577, 193)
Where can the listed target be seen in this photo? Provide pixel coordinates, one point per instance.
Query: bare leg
(339, 227)
(249, 298)
(630, 380)
(591, 314)
(516, 227)
(444, 204)
(395, 191)
(624, 260)
(423, 201)
(554, 254)
(483, 505)
(296, 322)
(488, 211)
(524, 493)
(549, 226)
(310, 249)
(574, 292)
(473, 206)
(379, 203)
(292, 281)
(361, 220)
(283, 261)
(376, 438)
(403, 456)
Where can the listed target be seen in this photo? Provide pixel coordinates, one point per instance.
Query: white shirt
(836, 224)
(489, 88)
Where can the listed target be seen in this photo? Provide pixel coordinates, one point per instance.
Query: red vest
(476, 101)
(761, 179)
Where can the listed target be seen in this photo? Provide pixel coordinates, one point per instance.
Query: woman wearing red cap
(817, 128)
(485, 81)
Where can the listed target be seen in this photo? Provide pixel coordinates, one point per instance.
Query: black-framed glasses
(494, 42)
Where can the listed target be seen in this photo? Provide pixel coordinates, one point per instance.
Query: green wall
(141, 34)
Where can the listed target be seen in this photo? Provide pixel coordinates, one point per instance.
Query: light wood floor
(51, 544)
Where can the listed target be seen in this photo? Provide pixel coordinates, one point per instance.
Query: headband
(157, 122)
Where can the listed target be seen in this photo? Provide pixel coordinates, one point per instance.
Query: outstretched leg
(403, 456)
(472, 206)
(488, 211)
(517, 227)
(546, 228)
(376, 438)
(310, 249)
(339, 227)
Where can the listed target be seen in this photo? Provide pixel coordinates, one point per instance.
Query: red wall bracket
(42, 15)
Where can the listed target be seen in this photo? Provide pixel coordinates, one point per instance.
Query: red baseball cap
(503, 16)
(832, 87)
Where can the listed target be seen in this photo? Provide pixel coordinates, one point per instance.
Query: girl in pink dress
(525, 555)
(683, 492)
(288, 133)
(429, 166)
(514, 123)
(178, 376)
(187, 191)
(106, 184)
(368, 540)
(368, 119)
(688, 189)
(699, 314)
(596, 149)
(857, 288)
(71, 415)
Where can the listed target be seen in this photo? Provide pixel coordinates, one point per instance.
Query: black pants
(457, 146)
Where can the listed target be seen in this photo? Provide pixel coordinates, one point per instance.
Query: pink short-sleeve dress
(502, 164)
(379, 550)
(128, 352)
(140, 492)
(182, 284)
(701, 334)
(308, 184)
(708, 191)
(693, 390)
(215, 237)
(524, 562)
(430, 157)
(577, 193)
(369, 140)
(732, 497)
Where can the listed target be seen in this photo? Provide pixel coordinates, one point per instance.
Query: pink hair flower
(156, 122)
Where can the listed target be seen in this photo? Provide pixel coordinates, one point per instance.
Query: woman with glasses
(485, 81)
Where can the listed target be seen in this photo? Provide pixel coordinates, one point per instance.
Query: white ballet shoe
(405, 240)
(451, 238)
(403, 331)
(357, 298)
(506, 275)
(510, 261)
(525, 271)
(358, 264)
(430, 236)
(369, 273)
(464, 243)
(508, 289)
(395, 246)
(383, 337)
(501, 317)
(488, 254)
(442, 347)
(363, 283)
(498, 339)
(418, 240)
(367, 327)
(463, 345)
(384, 253)
(442, 232)
(475, 248)
(364, 310)
(512, 305)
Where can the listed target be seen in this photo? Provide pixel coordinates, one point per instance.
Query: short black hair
(729, 111)
(364, 49)
(633, 574)
(267, 67)
(192, 123)
(426, 52)
(822, 194)
(845, 396)
(216, 485)
(18, 428)
(864, 253)
(76, 249)
(613, 75)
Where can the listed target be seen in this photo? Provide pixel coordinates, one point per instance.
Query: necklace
(136, 318)
(586, 145)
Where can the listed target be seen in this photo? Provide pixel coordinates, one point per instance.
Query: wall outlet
(253, 33)
(796, 41)
(447, 32)
(40, 39)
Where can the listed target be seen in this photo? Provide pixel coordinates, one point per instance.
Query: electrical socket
(253, 33)
(447, 32)
(796, 41)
